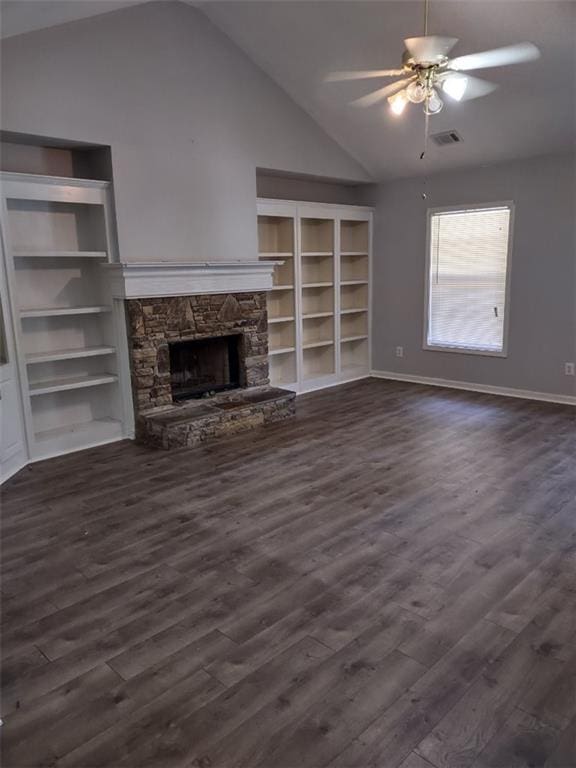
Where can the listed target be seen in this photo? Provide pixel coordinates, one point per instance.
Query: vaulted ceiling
(299, 43)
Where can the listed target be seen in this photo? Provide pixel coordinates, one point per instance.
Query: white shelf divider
(102, 255)
(315, 344)
(68, 354)
(353, 311)
(354, 338)
(74, 382)
(63, 311)
(281, 350)
(315, 315)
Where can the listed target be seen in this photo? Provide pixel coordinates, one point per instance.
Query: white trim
(142, 280)
(275, 202)
(67, 181)
(329, 385)
(470, 350)
(488, 389)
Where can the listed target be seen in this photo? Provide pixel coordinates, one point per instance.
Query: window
(468, 262)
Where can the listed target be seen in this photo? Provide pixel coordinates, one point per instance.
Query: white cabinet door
(13, 449)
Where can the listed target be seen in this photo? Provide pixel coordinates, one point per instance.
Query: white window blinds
(467, 280)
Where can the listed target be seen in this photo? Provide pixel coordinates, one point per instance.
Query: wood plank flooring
(388, 581)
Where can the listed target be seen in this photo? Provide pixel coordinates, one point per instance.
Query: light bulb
(416, 92)
(398, 102)
(433, 103)
(455, 86)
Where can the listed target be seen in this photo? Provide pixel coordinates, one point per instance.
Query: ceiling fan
(427, 69)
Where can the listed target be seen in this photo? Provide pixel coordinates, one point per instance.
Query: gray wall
(188, 117)
(542, 329)
(310, 190)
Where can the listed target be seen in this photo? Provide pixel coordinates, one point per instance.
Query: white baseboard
(471, 387)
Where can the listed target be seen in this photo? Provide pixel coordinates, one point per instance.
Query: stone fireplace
(199, 362)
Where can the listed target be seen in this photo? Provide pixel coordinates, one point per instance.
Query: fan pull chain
(426, 131)
(425, 17)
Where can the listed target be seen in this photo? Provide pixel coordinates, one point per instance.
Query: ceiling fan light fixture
(455, 86)
(416, 92)
(398, 102)
(433, 103)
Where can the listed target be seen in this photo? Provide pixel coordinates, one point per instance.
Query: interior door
(13, 449)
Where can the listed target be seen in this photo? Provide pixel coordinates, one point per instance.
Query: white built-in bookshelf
(319, 307)
(57, 235)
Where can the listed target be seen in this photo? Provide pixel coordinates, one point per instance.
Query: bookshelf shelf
(68, 354)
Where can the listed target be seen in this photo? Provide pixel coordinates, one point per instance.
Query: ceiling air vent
(447, 137)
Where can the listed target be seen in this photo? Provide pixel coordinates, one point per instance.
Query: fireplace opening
(203, 366)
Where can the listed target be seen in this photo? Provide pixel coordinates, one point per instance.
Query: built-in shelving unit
(58, 234)
(318, 308)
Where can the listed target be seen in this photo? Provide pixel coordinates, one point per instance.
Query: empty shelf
(314, 344)
(276, 255)
(317, 285)
(354, 338)
(97, 429)
(353, 310)
(76, 382)
(62, 254)
(312, 315)
(56, 311)
(68, 354)
(318, 253)
(282, 287)
(281, 350)
(354, 253)
(286, 319)
(354, 282)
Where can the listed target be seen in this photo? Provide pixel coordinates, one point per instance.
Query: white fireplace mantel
(155, 279)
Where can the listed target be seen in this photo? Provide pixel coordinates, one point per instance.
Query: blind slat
(467, 280)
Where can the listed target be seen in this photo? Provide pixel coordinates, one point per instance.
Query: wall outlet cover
(399, 351)
(569, 369)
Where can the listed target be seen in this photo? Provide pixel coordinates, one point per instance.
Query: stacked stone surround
(154, 323)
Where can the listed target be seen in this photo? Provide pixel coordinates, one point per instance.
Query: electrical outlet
(569, 369)
(399, 351)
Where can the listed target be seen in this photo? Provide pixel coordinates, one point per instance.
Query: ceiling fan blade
(431, 48)
(474, 89)
(382, 93)
(338, 77)
(498, 57)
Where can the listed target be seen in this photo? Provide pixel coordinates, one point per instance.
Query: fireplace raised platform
(190, 423)
(199, 367)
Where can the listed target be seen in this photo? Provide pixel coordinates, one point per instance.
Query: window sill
(465, 350)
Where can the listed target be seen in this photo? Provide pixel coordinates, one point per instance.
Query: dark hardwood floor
(389, 580)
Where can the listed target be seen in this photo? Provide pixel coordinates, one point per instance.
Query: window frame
(469, 350)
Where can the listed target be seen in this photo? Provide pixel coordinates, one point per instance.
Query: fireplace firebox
(203, 366)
